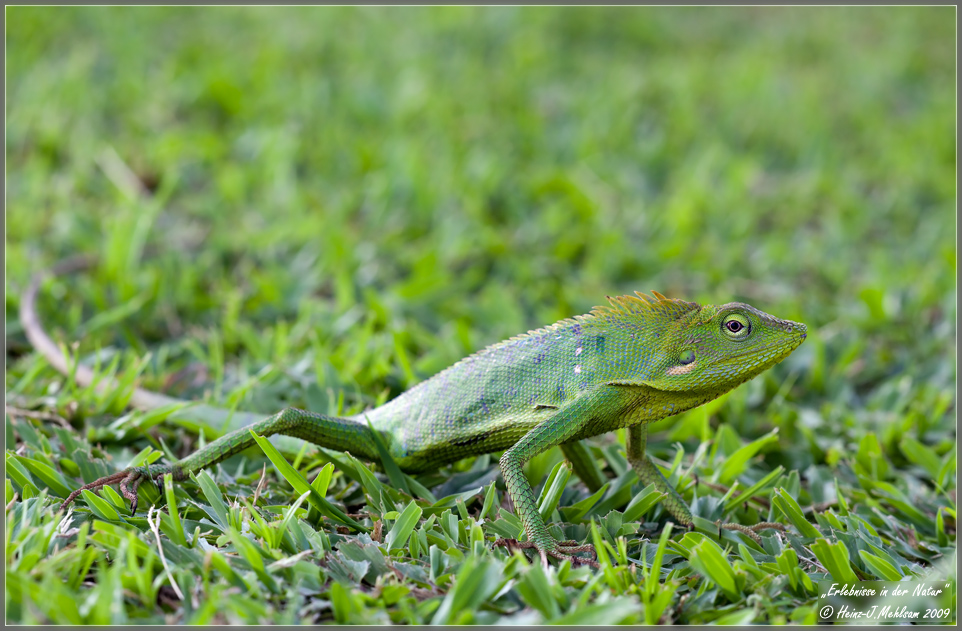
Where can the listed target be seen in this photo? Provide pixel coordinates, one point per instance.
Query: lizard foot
(133, 476)
(752, 531)
(560, 550)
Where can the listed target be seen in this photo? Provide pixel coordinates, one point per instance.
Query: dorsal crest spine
(656, 305)
(643, 304)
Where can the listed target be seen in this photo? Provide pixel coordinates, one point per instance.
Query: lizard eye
(686, 357)
(736, 327)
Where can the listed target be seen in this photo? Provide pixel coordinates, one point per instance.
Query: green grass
(343, 202)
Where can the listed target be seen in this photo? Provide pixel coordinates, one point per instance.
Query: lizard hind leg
(120, 476)
(331, 432)
(132, 476)
(327, 431)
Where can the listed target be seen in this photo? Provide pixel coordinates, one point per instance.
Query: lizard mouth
(776, 351)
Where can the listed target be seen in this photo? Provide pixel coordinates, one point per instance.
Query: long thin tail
(141, 399)
(213, 418)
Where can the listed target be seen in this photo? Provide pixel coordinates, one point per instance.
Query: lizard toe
(128, 479)
(752, 531)
(563, 550)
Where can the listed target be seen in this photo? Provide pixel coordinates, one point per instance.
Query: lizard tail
(326, 431)
(141, 399)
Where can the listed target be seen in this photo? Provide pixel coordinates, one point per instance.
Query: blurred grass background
(344, 201)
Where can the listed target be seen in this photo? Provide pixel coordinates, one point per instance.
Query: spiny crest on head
(639, 304)
(642, 304)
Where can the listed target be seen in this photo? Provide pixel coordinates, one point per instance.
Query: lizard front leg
(648, 473)
(567, 422)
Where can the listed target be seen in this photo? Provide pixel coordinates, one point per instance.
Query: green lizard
(626, 365)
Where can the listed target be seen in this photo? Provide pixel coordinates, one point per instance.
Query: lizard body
(641, 359)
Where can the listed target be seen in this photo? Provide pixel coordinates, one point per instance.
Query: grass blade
(300, 484)
(400, 532)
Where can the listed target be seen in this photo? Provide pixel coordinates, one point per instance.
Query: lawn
(321, 207)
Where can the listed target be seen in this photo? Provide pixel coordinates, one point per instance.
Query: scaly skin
(640, 360)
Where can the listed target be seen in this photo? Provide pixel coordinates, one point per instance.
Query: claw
(752, 531)
(96, 484)
(132, 494)
(133, 477)
(136, 478)
(510, 544)
(156, 478)
(558, 551)
(126, 493)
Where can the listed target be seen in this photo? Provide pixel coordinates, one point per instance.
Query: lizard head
(720, 347)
